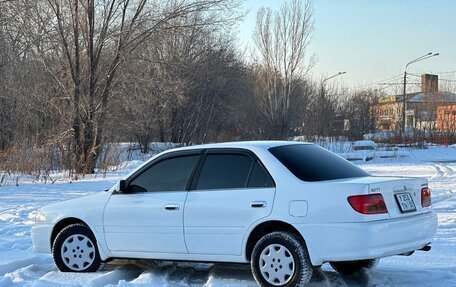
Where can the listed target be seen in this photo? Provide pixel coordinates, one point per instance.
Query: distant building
(446, 118)
(422, 108)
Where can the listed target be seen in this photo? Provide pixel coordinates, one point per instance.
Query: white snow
(19, 266)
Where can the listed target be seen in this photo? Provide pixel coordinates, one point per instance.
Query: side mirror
(123, 186)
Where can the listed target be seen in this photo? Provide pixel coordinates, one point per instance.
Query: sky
(373, 40)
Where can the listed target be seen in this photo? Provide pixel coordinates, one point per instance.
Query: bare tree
(93, 39)
(357, 110)
(282, 40)
(177, 80)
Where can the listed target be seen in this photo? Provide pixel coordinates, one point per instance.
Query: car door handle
(172, 207)
(257, 204)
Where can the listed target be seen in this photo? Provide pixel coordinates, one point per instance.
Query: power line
(447, 80)
(387, 87)
(389, 79)
(392, 81)
(450, 72)
(392, 84)
(417, 75)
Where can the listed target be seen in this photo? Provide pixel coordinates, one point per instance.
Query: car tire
(352, 267)
(281, 259)
(75, 249)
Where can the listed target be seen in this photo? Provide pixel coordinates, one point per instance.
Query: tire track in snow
(448, 196)
(438, 170)
(443, 170)
(452, 168)
(448, 171)
(444, 179)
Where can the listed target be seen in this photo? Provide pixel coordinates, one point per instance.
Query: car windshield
(314, 163)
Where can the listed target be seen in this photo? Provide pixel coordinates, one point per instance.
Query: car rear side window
(259, 177)
(314, 163)
(167, 175)
(222, 171)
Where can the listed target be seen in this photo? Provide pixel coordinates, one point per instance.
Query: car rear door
(150, 217)
(231, 191)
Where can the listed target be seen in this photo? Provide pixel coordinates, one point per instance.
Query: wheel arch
(64, 222)
(267, 227)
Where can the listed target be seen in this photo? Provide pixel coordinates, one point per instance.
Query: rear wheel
(75, 250)
(281, 259)
(352, 267)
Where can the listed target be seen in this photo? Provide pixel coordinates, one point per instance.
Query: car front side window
(170, 174)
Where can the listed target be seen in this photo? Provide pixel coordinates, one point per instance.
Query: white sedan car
(285, 207)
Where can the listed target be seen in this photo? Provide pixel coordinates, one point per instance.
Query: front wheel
(352, 267)
(75, 250)
(281, 259)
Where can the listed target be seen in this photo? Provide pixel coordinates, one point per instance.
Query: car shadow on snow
(151, 273)
(223, 274)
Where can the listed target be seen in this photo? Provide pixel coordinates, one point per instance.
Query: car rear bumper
(41, 238)
(367, 240)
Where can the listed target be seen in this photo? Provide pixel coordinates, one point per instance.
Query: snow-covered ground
(19, 266)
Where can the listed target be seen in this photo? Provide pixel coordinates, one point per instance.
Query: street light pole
(322, 95)
(404, 102)
(333, 76)
(328, 78)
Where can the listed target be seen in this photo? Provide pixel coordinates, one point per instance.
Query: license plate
(405, 202)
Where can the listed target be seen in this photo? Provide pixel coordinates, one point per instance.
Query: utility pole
(404, 102)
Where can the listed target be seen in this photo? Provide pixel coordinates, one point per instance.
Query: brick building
(422, 108)
(446, 118)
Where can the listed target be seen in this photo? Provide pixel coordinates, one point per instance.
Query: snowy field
(19, 266)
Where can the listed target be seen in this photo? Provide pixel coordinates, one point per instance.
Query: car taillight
(426, 197)
(368, 204)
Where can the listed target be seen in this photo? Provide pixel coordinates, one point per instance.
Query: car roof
(241, 144)
(250, 145)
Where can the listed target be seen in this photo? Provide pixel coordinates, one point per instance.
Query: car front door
(232, 191)
(149, 218)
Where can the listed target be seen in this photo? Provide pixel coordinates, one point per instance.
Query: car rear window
(314, 163)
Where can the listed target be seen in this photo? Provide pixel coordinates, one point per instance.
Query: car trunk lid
(402, 196)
